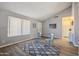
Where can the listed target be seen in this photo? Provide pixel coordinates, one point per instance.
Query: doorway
(67, 24)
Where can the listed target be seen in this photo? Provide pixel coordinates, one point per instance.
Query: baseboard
(15, 43)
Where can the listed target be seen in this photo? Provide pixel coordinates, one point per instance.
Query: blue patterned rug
(39, 49)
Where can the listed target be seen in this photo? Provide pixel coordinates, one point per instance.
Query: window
(17, 26)
(14, 26)
(25, 27)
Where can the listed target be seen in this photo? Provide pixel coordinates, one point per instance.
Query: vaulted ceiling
(36, 10)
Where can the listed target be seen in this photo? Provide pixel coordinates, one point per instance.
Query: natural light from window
(17, 26)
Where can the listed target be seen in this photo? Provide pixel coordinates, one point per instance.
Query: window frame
(21, 32)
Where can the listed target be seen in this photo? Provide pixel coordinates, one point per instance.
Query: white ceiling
(36, 10)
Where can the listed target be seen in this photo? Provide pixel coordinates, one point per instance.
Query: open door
(67, 23)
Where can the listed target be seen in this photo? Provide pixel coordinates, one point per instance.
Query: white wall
(46, 29)
(75, 14)
(77, 31)
(58, 21)
(4, 39)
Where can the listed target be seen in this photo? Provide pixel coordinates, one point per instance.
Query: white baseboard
(14, 43)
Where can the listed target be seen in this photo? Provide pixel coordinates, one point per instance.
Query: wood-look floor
(65, 48)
